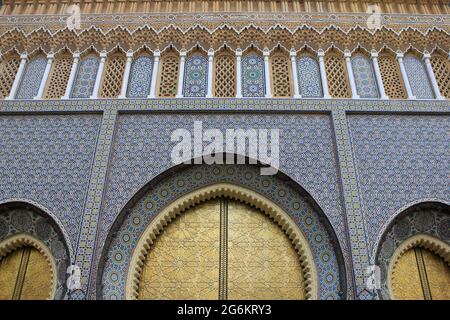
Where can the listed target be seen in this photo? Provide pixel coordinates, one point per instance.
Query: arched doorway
(158, 205)
(222, 249)
(420, 274)
(25, 274)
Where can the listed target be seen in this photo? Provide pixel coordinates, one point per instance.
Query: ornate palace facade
(91, 93)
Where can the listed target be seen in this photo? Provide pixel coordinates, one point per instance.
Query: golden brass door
(222, 249)
(25, 275)
(420, 274)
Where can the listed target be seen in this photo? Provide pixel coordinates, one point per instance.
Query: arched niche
(23, 225)
(170, 188)
(424, 225)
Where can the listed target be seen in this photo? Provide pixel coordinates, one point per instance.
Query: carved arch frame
(245, 195)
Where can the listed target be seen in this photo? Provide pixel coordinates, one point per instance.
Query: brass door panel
(183, 260)
(421, 275)
(25, 275)
(222, 249)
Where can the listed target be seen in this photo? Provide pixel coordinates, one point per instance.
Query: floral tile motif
(366, 84)
(196, 76)
(83, 85)
(253, 76)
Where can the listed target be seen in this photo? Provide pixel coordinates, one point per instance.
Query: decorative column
(156, 57)
(98, 79)
(48, 67)
(126, 75)
(405, 76)
(183, 54)
(209, 94)
(323, 74)
(19, 74)
(73, 73)
(376, 69)
(266, 54)
(351, 77)
(238, 73)
(293, 55)
(437, 92)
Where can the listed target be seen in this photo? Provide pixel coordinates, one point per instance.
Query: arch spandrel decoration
(158, 195)
(241, 194)
(424, 225)
(22, 224)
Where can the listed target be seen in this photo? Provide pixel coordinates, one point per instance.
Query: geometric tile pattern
(91, 214)
(47, 159)
(140, 77)
(195, 76)
(418, 77)
(365, 81)
(309, 77)
(400, 159)
(83, 85)
(162, 194)
(355, 218)
(31, 79)
(253, 83)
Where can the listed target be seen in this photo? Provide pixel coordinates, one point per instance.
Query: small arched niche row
(140, 78)
(86, 75)
(32, 76)
(9, 64)
(252, 73)
(414, 254)
(196, 74)
(34, 255)
(221, 232)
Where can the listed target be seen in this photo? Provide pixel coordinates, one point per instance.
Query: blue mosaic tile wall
(399, 159)
(418, 78)
(196, 76)
(140, 77)
(32, 77)
(253, 83)
(309, 77)
(83, 85)
(47, 159)
(366, 83)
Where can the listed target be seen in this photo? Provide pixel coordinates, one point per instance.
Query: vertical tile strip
(91, 214)
(223, 258)
(352, 202)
